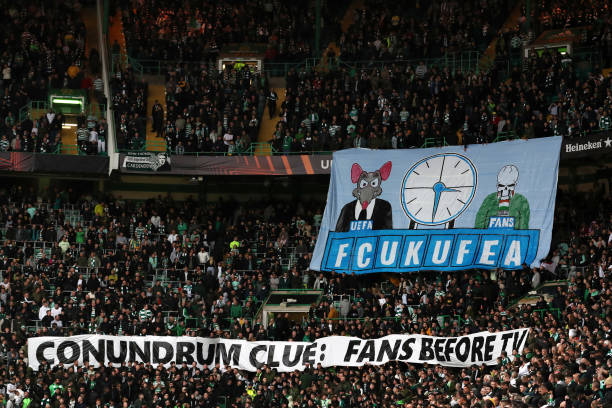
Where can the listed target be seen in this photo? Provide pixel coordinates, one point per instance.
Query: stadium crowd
(380, 105)
(208, 111)
(403, 31)
(587, 25)
(161, 267)
(563, 14)
(73, 264)
(197, 30)
(398, 106)
(43, 48)
(392, 106)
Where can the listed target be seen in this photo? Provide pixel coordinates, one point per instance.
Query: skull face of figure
(506, 182)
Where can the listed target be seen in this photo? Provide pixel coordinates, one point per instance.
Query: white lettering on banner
(514, 254)
(385, 258)
(501, 222)
(412, 254)
(363, 248)
(485, 257)
(437, 258)
(474, 349)
(341, 254)
(579, 147)
(361, 225)
(463, 251)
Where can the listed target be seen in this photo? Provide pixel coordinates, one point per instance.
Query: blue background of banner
(537, 161)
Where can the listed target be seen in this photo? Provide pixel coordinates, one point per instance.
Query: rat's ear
(385, 171)
(355, 172)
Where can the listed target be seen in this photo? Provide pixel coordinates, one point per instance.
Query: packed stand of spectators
(129, 105)
(212, 265)
(208, 111)
(587, 22)
(416, 29)
(43, 48)
(564, 14)
(403, 106)
(198, 30)
(40, 43)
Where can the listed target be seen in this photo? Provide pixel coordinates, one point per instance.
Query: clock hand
(436, 202)
(438, 189)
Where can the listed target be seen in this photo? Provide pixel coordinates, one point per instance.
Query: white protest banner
(478, 348)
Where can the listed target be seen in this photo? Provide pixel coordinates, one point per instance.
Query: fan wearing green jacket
(505, 202)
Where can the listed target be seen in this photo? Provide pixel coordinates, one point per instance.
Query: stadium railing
(252, 150)
(510, 135)
(265, 148)
(551, 310)
(463, 61)
(256, 147)
(26, 110)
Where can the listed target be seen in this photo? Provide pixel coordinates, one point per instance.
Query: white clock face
(437, 189)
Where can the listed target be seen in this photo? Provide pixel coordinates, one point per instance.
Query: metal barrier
(463, 61)
(150, 66)
(434, 142)
(251, 150)
(25, 111)
(551, 310)
(256, 147)
(351, 319)
(510, 135)
(441, 319)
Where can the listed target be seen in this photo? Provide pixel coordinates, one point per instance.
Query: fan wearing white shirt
(203, 256)
(227, 138)
(56, 311)
(93, 140)
(42, 312)
(172, 237)
(155, 220)
(50, 117)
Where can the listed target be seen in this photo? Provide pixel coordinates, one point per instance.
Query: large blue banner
(490, 206)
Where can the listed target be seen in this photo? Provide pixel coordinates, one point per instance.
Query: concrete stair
(268, 125)
(68, 134)
(88, 16)
(488, 56)
(324, 63)
(263, 149)
(332, 48)
(349, 15)
(156, 86)
(115, 34)
(156, 90)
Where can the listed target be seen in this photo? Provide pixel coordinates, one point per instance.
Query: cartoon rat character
(367, 206)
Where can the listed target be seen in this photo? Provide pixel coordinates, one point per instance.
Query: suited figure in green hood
(505, 202)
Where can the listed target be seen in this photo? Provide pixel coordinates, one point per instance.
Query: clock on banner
(437, 189)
